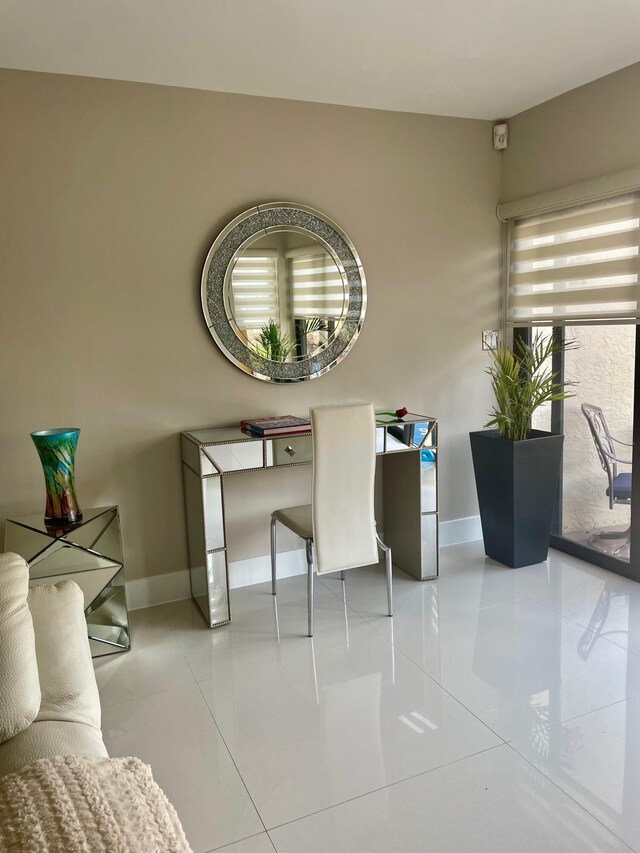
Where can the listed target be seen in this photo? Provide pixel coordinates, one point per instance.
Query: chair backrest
(602, 438)
(344, 469)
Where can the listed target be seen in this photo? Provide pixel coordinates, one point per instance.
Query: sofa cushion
(67, 680)
(48, 740)
(19, 684)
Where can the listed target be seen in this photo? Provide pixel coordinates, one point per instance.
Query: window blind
(254, 285)
(317, 286)
(580, 264)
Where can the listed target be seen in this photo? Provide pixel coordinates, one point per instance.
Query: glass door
(594, 510)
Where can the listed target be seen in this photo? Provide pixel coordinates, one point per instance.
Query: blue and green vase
(56, 449)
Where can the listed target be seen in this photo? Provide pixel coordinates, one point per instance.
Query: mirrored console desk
(409, 467)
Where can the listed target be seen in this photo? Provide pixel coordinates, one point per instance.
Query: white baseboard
(258, 569)
(158, 589)
(173, 586)
(460, 530)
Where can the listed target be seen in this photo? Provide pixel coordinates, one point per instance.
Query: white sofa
(49, 703)
(59, 790)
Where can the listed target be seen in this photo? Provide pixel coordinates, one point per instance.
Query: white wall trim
(158, 589)
(460, 530)
(258, 569)
(173, 586)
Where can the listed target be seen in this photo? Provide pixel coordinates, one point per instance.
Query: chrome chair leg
(389, 563)
(389, 567)
(309, 544)
(273, 555)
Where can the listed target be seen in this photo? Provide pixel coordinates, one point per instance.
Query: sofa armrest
(19, 683)
(67, 680)
(47, 740)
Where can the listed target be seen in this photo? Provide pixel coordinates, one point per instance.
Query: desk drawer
(289, 450)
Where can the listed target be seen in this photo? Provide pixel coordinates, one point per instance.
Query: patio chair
(619, 489)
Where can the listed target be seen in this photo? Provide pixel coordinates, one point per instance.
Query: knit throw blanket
(73, 804)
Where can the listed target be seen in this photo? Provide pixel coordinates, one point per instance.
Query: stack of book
(274, 427)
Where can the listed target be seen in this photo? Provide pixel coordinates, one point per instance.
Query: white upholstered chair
(339, 526)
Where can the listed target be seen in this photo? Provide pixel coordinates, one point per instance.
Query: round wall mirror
(283, 292)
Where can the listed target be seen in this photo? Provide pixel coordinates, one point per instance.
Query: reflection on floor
(498, 710)
(609, 540)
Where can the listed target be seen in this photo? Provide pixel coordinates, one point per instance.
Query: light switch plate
(490, 339)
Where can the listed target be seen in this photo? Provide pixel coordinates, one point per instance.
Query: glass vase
(56, 449)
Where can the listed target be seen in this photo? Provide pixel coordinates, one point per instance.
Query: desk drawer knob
(288, 449)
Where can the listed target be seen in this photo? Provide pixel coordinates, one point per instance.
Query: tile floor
(499, 710)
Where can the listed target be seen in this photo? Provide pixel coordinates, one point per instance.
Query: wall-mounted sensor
(500, 136)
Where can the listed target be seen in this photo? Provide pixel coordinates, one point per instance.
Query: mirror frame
(259, 221)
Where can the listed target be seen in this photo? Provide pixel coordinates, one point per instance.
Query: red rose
(400, 413)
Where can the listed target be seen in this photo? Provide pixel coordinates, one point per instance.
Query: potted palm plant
(272, 343)
(517, 468)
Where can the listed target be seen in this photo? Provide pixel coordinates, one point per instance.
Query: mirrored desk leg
(204, 508)
(412, 534)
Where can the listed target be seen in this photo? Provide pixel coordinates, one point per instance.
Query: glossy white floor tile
(256, 844)
(174, 733)
(596, 760)
(609, 607)
(321, 727)
(155, 663)
(504, 656)
(264, 627)
(490, 803)
(461, 589)
(387, 734)
(558, 571)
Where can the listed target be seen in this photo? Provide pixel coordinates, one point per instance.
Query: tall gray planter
(517, 484)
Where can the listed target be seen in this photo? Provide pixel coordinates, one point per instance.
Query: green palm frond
(524, 380)
(315, 324)
(271, 343)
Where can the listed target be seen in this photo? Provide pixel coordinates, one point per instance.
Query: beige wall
(111, 195)
(586, 133)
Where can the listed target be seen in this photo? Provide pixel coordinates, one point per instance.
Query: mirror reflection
(285, 295)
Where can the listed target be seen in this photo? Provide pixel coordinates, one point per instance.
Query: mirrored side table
(89, 553)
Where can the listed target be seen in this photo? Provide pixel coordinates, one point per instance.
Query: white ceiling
(476, 58)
